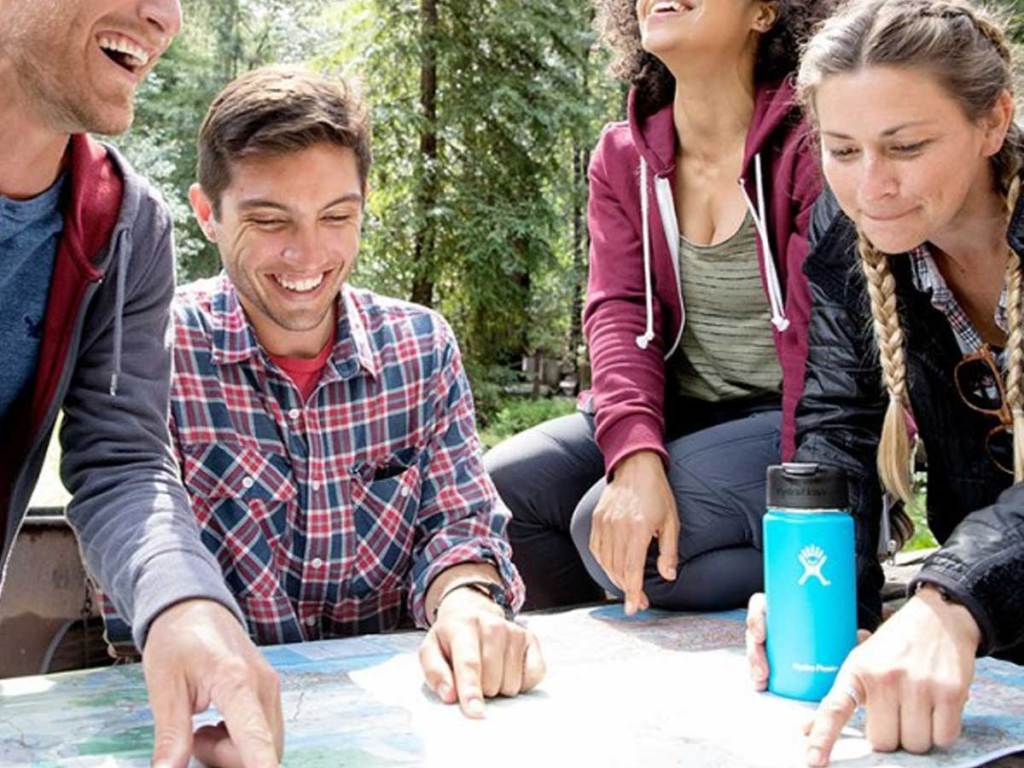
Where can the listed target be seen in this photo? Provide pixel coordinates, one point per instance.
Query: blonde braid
(949, 11)
(1015, 344)
(995, 35)
(894, 447)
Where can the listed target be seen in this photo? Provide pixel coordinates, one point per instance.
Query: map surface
(657, 689)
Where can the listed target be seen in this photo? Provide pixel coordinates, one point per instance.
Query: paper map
(658, 689)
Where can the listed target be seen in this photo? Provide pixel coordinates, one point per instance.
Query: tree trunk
(425, 240)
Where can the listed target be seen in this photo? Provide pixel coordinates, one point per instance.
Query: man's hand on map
(636, 506)
(197, 654)
(473, 651)
(912, 676)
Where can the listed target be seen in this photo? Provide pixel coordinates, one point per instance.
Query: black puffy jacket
(974, 510)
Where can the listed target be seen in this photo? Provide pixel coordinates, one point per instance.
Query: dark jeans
(551, 478)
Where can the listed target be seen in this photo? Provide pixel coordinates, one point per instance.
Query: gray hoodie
(137, 534)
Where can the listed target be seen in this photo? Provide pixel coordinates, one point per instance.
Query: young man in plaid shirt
(326, 434)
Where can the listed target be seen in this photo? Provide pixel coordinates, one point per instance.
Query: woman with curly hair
(696, 318)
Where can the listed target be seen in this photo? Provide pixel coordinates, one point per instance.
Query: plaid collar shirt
(326, 515)
(928, 279)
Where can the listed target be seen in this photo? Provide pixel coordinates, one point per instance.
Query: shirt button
(248, 482)
(317, 562)
(316, 485)
(310, 621)
(294, 414)
(405, 491)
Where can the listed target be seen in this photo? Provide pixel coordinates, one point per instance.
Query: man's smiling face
(81, 61)
(288, 234)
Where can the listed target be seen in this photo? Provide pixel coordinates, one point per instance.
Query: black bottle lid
(807, 486)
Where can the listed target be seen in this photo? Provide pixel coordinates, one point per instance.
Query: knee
(508, 470)
(579, 528)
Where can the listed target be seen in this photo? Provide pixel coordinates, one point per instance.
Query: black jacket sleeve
(980, 566)
(839, 418)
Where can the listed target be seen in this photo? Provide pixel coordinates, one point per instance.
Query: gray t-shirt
(29, 234)
(727, 351)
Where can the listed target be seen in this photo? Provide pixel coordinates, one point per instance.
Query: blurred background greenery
(485, 113)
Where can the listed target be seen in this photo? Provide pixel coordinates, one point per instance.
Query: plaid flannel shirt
(326, 514)
(928, 279)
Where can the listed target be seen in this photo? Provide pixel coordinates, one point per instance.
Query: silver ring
(851, 692)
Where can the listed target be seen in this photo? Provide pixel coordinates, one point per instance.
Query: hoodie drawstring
(645, 338)
(123, 248)
(760, 217)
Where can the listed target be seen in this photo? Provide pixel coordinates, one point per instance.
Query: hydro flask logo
(813, 559)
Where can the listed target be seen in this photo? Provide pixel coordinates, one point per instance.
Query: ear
(766, 16)
(996, 124)
(203, 210)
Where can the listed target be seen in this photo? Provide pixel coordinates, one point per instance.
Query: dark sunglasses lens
(978, 385)
(1000, 448)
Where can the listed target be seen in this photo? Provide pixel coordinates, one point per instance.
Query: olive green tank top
(727, 351)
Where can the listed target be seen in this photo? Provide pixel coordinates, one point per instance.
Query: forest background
(484, 115)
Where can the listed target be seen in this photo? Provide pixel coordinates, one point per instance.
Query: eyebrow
(885, 134)
(259, 202)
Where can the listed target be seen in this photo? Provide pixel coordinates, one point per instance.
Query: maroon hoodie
(634, 313)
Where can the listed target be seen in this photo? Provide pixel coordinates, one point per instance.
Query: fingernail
(443, 692)
(815, 756)
(475, 708)
(672, 574)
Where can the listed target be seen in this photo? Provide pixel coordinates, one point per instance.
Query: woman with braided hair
(916, 339)
(696, 318)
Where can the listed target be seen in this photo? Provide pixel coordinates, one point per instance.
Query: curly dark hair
(778, 51)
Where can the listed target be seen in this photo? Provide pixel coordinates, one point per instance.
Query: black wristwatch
(491, 589)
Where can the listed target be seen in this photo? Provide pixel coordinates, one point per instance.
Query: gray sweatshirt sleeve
(138, 536)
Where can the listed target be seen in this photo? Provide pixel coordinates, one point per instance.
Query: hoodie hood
(655, 138)
(95, 192)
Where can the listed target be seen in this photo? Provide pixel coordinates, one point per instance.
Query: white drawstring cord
(645, 338)
(760, 217)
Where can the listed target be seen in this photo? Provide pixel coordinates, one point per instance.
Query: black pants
(551, 478)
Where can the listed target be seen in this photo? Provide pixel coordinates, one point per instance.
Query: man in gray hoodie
(86, 279)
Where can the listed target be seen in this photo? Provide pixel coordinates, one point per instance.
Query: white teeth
(670, 7)
(123, 45)
(300, 285)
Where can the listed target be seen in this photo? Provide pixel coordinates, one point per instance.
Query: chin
(110, 112)
(893, 239)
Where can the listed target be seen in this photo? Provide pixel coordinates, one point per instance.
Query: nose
(302, 249)
(877, 179)
(165, 15)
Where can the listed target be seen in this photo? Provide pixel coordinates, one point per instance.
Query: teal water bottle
(810, 579)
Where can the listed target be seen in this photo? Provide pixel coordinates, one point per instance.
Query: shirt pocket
(385, 500)
(245, 504)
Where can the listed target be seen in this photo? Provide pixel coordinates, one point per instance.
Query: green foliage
(515, 415)
(483, 224)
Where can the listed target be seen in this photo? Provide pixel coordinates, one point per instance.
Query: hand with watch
(474, 649)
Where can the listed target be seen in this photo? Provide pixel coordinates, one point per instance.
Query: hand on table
(197, 654)
(472, 651)
(912, 676)
(636, 506)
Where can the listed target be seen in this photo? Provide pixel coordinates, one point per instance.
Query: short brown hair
(276, 110)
